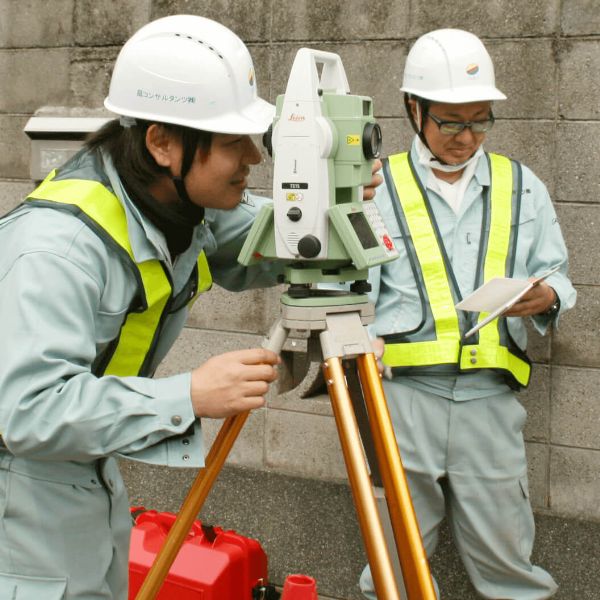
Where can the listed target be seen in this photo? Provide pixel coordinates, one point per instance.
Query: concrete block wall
(547, 57)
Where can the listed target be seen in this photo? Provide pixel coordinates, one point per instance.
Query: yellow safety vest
(100, 209)
(493, 348)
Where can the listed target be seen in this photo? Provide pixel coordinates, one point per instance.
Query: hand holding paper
(498, 296)
(537, 300)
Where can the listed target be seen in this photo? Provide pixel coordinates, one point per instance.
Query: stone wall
(547, 57)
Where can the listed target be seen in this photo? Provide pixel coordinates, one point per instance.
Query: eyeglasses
(455, 127)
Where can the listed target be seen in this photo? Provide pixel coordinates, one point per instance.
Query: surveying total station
(319, 230)
(323, 141)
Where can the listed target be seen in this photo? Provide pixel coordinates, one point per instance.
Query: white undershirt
(452, 193)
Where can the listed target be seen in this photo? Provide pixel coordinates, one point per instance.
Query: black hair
(127, 148)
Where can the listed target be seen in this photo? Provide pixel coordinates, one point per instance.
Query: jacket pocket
(23, 587)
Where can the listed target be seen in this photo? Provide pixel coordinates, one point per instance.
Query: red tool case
(212, 564)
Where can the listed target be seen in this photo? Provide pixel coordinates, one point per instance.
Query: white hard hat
(450, 65)
(191, 71)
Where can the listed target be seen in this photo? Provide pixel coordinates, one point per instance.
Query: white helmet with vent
(450, 65)
(191, 71)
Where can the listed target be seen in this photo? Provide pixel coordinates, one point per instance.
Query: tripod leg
(415, 567)
(360, 483)
(201, 487)
(362, 418)
(191, 506)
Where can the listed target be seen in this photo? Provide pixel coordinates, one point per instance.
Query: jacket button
(185, 442)
(473, 361)
(176, 420)
(186, 457)
(473, 351)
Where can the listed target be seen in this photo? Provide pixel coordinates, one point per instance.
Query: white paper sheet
(497, 296)
(495, 293)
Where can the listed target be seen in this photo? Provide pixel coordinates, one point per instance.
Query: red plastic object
(212, 564)
(299, 587)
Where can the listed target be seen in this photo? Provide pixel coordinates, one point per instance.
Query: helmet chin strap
(179, 184)
(190, 146)
(428, 159)
(417, 124)
(186, 207)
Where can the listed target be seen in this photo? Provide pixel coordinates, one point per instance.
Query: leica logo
(294, 117)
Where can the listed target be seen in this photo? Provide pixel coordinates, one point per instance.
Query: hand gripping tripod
(349, 362)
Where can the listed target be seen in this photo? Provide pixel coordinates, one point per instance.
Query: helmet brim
(458, 96)
(254, 119)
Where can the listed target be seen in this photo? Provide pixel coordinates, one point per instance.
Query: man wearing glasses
(460, 217)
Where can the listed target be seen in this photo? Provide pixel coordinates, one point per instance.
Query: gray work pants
(64, 530)
(466, 461)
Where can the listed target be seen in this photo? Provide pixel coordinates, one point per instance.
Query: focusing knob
(294, 214)
(309, 246)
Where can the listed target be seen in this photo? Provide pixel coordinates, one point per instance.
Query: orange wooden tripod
(343, 337)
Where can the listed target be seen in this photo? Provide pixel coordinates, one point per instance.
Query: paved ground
(309, 527)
